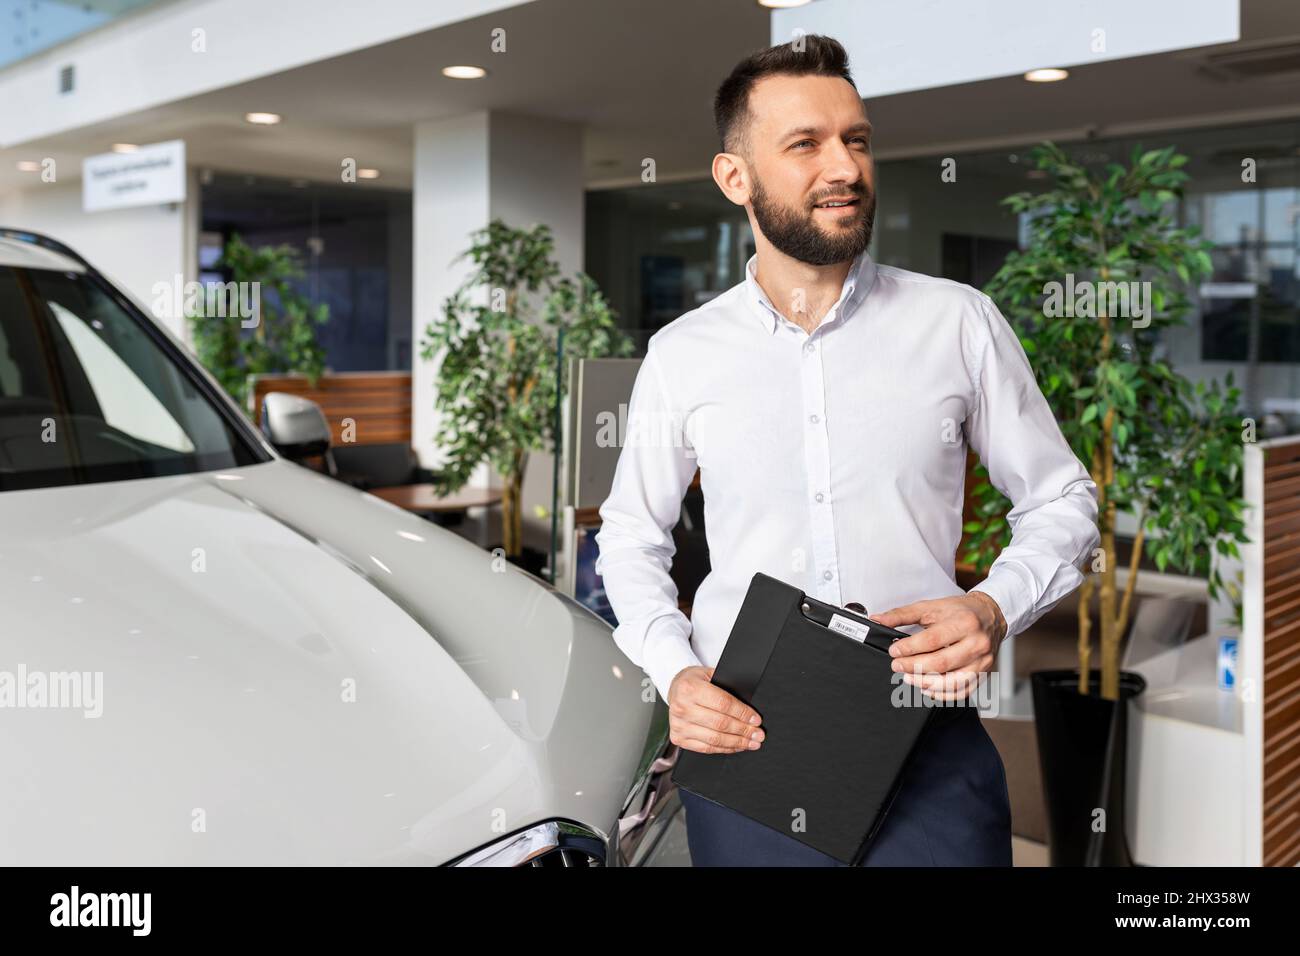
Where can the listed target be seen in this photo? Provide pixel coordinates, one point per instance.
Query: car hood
(290, 671)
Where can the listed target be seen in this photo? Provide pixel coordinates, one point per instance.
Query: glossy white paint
(227, 613)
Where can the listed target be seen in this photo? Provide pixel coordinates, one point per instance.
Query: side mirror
(294, 425)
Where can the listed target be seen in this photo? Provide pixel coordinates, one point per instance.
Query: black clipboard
(837, 741)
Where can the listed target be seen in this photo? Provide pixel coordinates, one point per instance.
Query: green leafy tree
(1159, 448)
(284, 339)
(497, 338)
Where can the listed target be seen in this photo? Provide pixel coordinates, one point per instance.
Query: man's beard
(795, 233)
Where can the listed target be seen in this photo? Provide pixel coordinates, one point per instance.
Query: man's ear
(731, 173)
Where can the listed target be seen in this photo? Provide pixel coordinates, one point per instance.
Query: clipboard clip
(851, 624)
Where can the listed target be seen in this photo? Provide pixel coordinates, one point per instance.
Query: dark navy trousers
(952, 809)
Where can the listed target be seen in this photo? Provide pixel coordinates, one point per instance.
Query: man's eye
(802, 142)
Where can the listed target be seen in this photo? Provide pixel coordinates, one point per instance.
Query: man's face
(809, 145)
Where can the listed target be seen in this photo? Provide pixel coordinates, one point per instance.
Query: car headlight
(553, 843)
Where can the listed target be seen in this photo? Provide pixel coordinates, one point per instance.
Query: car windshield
(88, 394)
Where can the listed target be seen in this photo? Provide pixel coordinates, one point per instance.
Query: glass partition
(660, 250)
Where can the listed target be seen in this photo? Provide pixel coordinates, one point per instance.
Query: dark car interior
(53, 427)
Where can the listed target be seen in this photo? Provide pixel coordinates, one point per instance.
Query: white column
(1250, 656)
(470, 169)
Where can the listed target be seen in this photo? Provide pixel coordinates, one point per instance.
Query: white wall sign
(900, 45)
(152, 174)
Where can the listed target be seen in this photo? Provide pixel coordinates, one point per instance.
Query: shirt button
(819, 496)
(810, 348)
(827, 575)
(814, 419)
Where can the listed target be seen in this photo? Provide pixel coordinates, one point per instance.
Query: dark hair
(817, 55)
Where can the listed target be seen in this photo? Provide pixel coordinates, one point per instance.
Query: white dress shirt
(835, 461)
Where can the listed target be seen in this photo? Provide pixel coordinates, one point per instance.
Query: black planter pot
(1082, 750)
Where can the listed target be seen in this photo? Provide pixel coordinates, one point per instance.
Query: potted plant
(1105, 269)
(283, 338)
(503, 340)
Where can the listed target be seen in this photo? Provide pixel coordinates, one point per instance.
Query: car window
(126, 402)
(87, 394)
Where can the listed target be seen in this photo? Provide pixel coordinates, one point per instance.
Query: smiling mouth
(836, 203)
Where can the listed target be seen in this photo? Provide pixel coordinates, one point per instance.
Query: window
(660, 251)
(1251, 310)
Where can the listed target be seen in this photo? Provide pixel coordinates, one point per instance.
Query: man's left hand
(960, 641)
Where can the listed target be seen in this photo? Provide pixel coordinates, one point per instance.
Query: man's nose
(841, 165)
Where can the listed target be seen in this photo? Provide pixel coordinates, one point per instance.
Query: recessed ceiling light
(782, 4)
(464, 72)
(125, 147)
(28, 166)
(1049, 75)
(367, 174)
(262, 119)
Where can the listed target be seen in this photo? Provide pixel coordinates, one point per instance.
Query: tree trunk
(1109, 602)
(512, 516)
(1085, 631)
(512, 508)
(1108, 612)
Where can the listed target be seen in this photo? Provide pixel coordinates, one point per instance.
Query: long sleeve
(635, 540)
(1053, 517)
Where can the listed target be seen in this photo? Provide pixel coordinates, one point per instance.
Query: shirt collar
(857, 283)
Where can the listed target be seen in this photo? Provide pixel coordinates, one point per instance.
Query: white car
(212, 655)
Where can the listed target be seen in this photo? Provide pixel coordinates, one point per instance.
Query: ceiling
(639, 75)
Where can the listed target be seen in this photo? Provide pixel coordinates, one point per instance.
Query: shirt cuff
(1009, 593)
(666, 657)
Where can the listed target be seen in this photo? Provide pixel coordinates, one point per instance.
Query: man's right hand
(708, 720)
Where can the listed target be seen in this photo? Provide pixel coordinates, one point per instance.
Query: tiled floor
(1027, 852)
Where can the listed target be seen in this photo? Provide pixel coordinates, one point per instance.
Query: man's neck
(801, 292)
